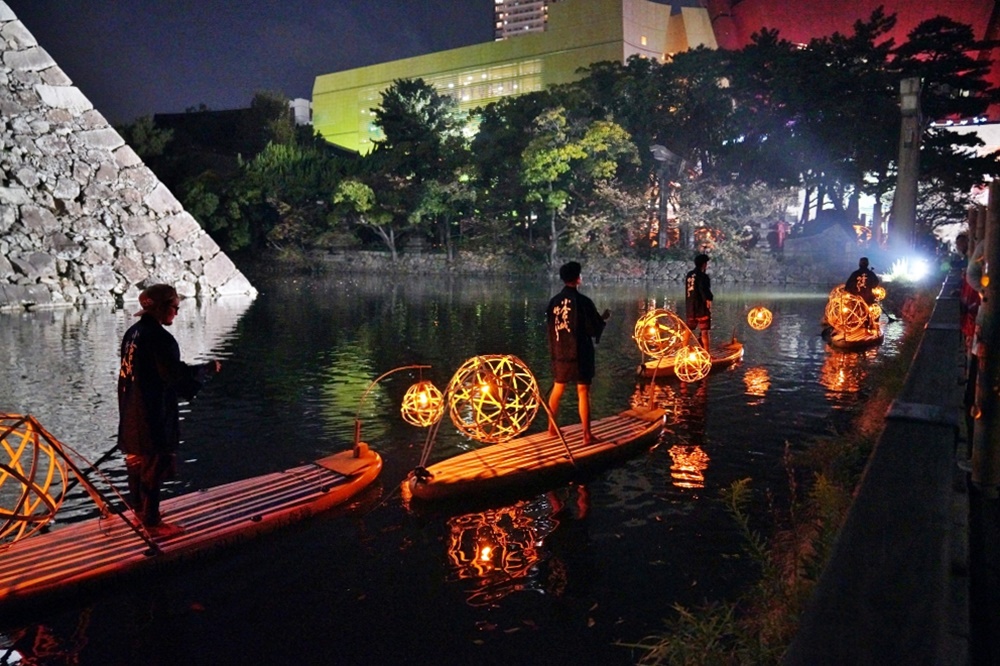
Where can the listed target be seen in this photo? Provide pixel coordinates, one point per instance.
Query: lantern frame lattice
(692, 363)
(660, 332)
(33, 478)
(847, 312)
(493, 398)
(423, 404)
(878, 292)
(759, 318)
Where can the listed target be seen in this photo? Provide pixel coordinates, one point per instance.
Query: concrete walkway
(913, 577)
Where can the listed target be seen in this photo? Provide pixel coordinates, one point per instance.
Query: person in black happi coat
(698, 299)
(574, 325)
(151, 380)
(862, 282)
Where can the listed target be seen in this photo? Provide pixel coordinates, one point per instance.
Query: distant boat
(722, 356)
(536, 459)
(100, 552)
(856, 340)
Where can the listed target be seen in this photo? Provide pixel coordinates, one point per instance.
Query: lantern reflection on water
(689, 464)
(758, 381)
(504, 551)
(759, 318)
(844, 372)
(493, 398)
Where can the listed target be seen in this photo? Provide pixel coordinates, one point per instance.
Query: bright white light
(908, 269)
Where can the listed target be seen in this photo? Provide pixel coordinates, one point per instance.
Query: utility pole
(667, 161)
(986, 435)
(904, 204)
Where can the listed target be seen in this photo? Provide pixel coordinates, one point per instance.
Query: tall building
(555, 38)
(515, 18)
(576, 33)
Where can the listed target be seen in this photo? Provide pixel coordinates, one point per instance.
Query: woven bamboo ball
(847, 312)
(692, 363)
(423, 404)
(493, 398)
(759, 318)
(660, 333)
(32, 477)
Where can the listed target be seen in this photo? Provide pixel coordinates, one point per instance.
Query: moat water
(578, 573)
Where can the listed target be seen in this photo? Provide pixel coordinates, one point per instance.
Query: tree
(145, 138)
(563, 163)
(357, 201)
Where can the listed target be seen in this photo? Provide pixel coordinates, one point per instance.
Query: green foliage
(145, 138)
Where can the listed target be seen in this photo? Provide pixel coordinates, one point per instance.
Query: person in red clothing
(151, 380)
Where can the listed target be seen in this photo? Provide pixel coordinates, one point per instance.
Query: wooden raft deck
(535, 458)
(723, 356)
(102, 550)
(852, 340)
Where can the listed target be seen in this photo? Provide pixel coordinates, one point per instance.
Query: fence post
(986, 437)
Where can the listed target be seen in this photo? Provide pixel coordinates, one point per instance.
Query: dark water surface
(574, 572)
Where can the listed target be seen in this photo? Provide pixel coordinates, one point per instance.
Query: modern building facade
(542, 43)
(577, 33)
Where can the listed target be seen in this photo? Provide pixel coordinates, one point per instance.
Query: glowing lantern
(985, 281)
(33, 477)
(759, 318)
(660, 332)
(846, 312)
(423, 404)
(692, 363)
(878, 292)
(876, 311)
(493, 398)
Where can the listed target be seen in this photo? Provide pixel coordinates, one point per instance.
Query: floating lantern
(759, 318)
(493, 398)
(692, 363)
(847, 312)
(660, 333)
(33, 477)
(876, 311)
(878, 292)
(422, 405)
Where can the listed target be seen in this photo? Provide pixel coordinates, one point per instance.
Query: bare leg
(554, 398)
(583, 395)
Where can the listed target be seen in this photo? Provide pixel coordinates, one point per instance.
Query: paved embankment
(897, 587)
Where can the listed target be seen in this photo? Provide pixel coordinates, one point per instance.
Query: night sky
(139, 57)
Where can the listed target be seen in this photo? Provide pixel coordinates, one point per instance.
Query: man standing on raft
(573, 327)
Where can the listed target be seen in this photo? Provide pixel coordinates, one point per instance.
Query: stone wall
(760, 267)
(82, 219)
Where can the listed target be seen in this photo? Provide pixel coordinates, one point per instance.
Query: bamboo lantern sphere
(32, 477)
(878, 292)
(493, 399)
(847, 312)
(423, 404)
(692, 363)
(876, 310)
(759, 318)
(660, 333)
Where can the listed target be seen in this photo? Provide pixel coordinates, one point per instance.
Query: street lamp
(665, 159)
(904, 204)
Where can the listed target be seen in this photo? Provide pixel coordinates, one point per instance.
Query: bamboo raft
(723, 356)
(103, 550)
(534, 459)
(857, 340)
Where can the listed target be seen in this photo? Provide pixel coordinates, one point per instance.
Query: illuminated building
(576, 33)
(554, 39)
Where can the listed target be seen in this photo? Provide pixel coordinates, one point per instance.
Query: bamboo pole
(986, 438)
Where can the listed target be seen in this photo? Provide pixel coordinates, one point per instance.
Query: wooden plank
(722, 356)
(533, 459)
(96, 551)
